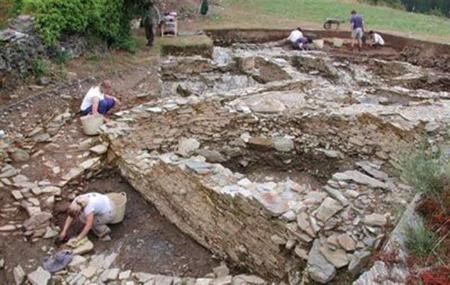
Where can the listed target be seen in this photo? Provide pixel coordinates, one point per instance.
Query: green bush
(427, 171)
(107, 19)
(39, 68)
(420, 241)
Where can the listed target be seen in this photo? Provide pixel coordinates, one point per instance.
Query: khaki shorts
(357, 33)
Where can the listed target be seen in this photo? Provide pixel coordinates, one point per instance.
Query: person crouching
(95, 210)
(98, 100)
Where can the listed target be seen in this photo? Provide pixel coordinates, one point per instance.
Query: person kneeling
(375, 39)
(303, 43)
(98, 100)
(95, 210)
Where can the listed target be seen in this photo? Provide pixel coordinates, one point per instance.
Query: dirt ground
(145, 241)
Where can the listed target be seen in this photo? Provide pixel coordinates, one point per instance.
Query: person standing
(204, 7)
(150, 17)
(357, 27)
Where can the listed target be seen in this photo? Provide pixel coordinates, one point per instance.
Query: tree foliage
(107, 19)
(436, 7)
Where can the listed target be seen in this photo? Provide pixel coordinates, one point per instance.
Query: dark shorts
(103, 107)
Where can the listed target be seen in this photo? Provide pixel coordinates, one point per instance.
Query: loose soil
(145, 240)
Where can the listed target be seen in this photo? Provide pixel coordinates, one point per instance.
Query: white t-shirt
(98, 204)
(295, 36)
(89, 97)
(377, 39)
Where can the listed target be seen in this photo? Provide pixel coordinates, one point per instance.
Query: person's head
(105, 86)
(371, 33)
(353, 12)
(75, 209)
(299, 29)
(309, 40)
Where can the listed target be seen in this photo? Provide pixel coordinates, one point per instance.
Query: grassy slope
(277, 13)
(5, 5)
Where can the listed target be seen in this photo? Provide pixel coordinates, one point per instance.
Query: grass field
(277, 13)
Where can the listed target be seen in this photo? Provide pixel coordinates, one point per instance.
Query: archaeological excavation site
(243, 162)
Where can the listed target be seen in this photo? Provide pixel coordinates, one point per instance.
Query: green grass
(420, 241)
(376, 17)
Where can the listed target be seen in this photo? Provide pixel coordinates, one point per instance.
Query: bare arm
(95, 102)
(66, 227)
(87, 226)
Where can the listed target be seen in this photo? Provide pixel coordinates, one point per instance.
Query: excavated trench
(279, 161)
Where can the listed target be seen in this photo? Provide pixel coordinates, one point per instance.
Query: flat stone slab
(360, 178)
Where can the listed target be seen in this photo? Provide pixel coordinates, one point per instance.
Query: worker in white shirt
(295, 36)
(93, 209)
(375, 39)
(98, 100)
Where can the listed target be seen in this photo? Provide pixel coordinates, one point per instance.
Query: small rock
(39, 277)
(125, 275)
(212, 156)
(20, 155)
(226, 280)
(283, 144)
(221, 271)
(99, 149)
(346, 242)
(7, 228)
(17, 195)
(77, 262)
(328, 208)
(19, 274)
(337, 257)
(109, 274)
(375, 220)
(187, 146)
(319, 268)
(358, 262)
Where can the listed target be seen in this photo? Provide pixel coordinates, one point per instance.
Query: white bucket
(119, 200)
(318, 44)
(91, 124)
(338, 42)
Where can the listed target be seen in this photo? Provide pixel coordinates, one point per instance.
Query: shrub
(420, 241)
(427, 172)
(39, 68)
(107, 19)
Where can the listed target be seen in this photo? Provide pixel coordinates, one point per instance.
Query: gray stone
(319, 268)
(283, 144)
(221, 271)
(336, 194)
(375, 220)
(346, 242)
(77, 262)
(250, 279)
(187, 146)
(109, 274)
(39, 277)
(304, 224)
(212, 156)
(99, 149)
(369, 169)
(20, 155)
(125, 275)
(328, 208)
(225, 280)
(337, 257)
(199, 167)
(358, 262)
(37, 221)
(19, 274)
(360, 178)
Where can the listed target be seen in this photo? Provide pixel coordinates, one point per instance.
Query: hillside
(312, 13)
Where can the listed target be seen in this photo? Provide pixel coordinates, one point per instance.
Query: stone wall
(232, 227)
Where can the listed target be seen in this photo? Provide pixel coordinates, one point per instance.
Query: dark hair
(300, 29)
(371, 32)
(309, 40)
(353, 12)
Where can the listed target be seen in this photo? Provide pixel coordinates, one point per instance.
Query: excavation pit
(289, 177)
